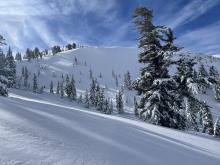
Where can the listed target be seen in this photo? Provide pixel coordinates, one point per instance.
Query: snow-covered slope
(43, 129)
(99, 60)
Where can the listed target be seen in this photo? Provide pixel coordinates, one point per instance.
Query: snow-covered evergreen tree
(116, 81)
(11, 67)
(58, 88)
(217, 91)
(18, 57)
(217, 128)
(106, 106)
(202, 79)
(213, 72)
(101, 99)
(207, 119)
(67, 79)
(35, 85)
(87, 100)
(111, 107)
(119, 102)
(61, 90)
(26, 76)
(186, 91)
(51, 87)
(127, 81)
(3, 71)
(80, 99)
(136, 113)
(92, 92)
(155, 86)
(90, 74)
(28, 54)
(97, 94)
(73, 89)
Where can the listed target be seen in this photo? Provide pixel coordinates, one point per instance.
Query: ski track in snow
(49, 130)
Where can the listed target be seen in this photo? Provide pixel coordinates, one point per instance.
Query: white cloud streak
(204, 39)
(190, 12)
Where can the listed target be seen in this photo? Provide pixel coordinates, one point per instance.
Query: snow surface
(45, 129)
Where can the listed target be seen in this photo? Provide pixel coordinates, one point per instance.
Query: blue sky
(43, 23)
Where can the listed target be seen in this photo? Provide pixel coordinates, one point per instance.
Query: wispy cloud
(205, 39)
(37, 20)
(190, 12)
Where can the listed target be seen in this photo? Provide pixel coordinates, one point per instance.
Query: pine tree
(86, 100)
(58, 88)
(11, 67)
(127, 81)
(202, 79)
(67, 79)
(207, 119)
(116, 81)
(213, 72)
(217, 91)
(73, 89)
(26, 76)
(51, 87)
(155, 85)
(217, 128)
(106, 107)
(111, 107)
(90, 74)
(3, 71)
(80, 99)
(18, 57)
(101, 100)
(97, 94)
(35, 85)
(68, 89)
(92, 92)
(36, 53)
(22, 71)
(28, 54)
(136, 113)
(119, 102)
(61, 90)
(186, 91)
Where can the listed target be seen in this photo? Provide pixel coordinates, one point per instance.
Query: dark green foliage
(61, 90)
(127, 81)
(136, 113)
(35, 85)
(119, 102)
(101, 99)
(158, 102)
(92, 92)
(18, 57)
(51, 87)
(203, 83)
(58, 88)
(56, 49)
(3, 71)
(26, 76)
(217, 129)
(207, 119)
(217, 91)
(86, 100)
(213, 72)
(11, 67)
